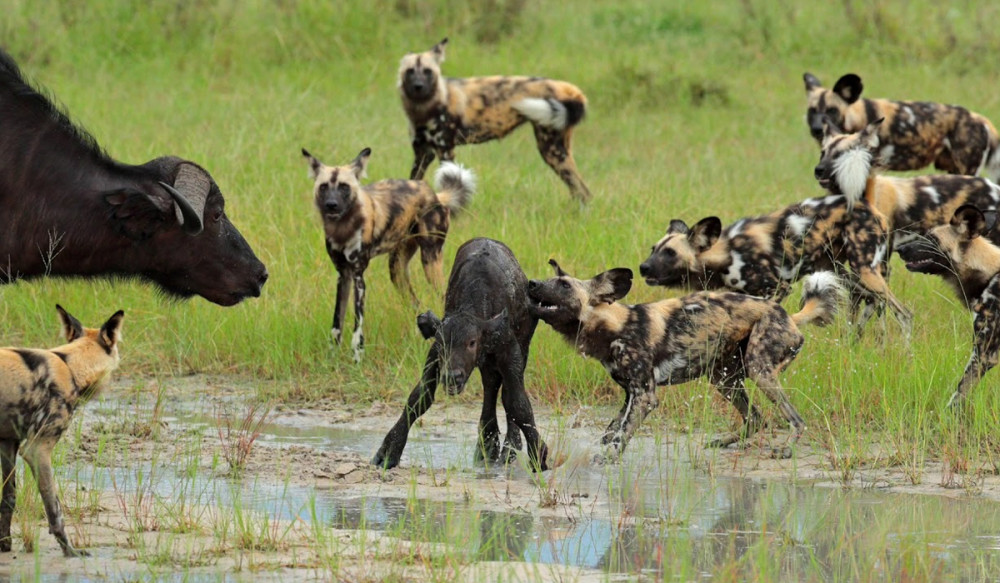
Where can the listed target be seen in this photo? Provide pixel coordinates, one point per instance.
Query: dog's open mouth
(824, 183)
(920, 264)
(541, 306)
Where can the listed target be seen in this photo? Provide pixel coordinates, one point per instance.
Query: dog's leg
(420, 400)
(636, 377)
(358, 339)
(985, 354)
(874, 282)
(38, 454)
(423, 155)
(517, 407)
(728, 376)
(773, 344)
(431, 247)
(399, 272)
(555, 147)
(8, 457)
(345, 279)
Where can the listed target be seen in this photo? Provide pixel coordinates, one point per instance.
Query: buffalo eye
(343, 189)
(217, 216)
(472, 344)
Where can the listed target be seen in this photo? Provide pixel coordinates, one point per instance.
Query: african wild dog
(912, 205)
(962, 256)
(916, 133)
(725, 336)
(389, 216)
(764, 255)
(39, 390)
(445, 112)
(486, 325)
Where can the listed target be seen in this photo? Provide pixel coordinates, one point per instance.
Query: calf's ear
(111, 331)
(428, 323)
(71, 327)
(610, 286)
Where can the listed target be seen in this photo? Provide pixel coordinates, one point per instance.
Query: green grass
(695, 109)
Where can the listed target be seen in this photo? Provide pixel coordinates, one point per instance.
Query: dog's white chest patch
(665, 369)
(733, 275)
(351, 248)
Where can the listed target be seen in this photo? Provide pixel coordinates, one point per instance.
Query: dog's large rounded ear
(111, 331)
(314, 164)
(360, 164)
(705, 233)
(869, 135)
(610, 286)
(811, 81)
(969, 222)
(71, 327)
(677, 226)
(849, 88)
(559, 270)
(428, 323)
(438, 50)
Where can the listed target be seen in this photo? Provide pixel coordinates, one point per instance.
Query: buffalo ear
(111, 331)
(428, 323)
(849, 88)
(811, 81)
(71, 327)
(705, 233)
(677, 226)
(135, 214)
(969, 222)
(610, 286)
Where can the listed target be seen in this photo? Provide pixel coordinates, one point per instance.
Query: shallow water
(651, 513)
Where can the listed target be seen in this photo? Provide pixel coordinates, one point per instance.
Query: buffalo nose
(644, 269)
(262, 278)
(457, 377)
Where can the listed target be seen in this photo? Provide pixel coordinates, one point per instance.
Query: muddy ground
(131, 535)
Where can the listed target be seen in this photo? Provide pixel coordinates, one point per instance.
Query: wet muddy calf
(486, 325)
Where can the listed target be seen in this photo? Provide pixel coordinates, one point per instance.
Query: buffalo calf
(39, 390)
(486, 325)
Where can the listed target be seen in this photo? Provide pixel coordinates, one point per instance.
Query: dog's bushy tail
(552, 113)
(454, 185)
(821, 296)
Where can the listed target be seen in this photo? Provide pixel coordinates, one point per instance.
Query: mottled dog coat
(960, 254)
(764, 255)
(39, 391)
(390, 216)
(915, 134)
(445, 112)
(912, 205)
(725, 336)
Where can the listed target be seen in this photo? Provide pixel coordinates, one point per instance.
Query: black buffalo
(486, 324)
(69, 209)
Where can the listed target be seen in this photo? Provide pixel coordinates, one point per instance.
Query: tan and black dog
(960, 254)
(389, 216)
(39, 391)
(725, 336)
(764, 255)
(445, 112)
(915, 134)
(912, 205)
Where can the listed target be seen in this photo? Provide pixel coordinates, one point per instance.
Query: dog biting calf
(486, 325)
(725, 336)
